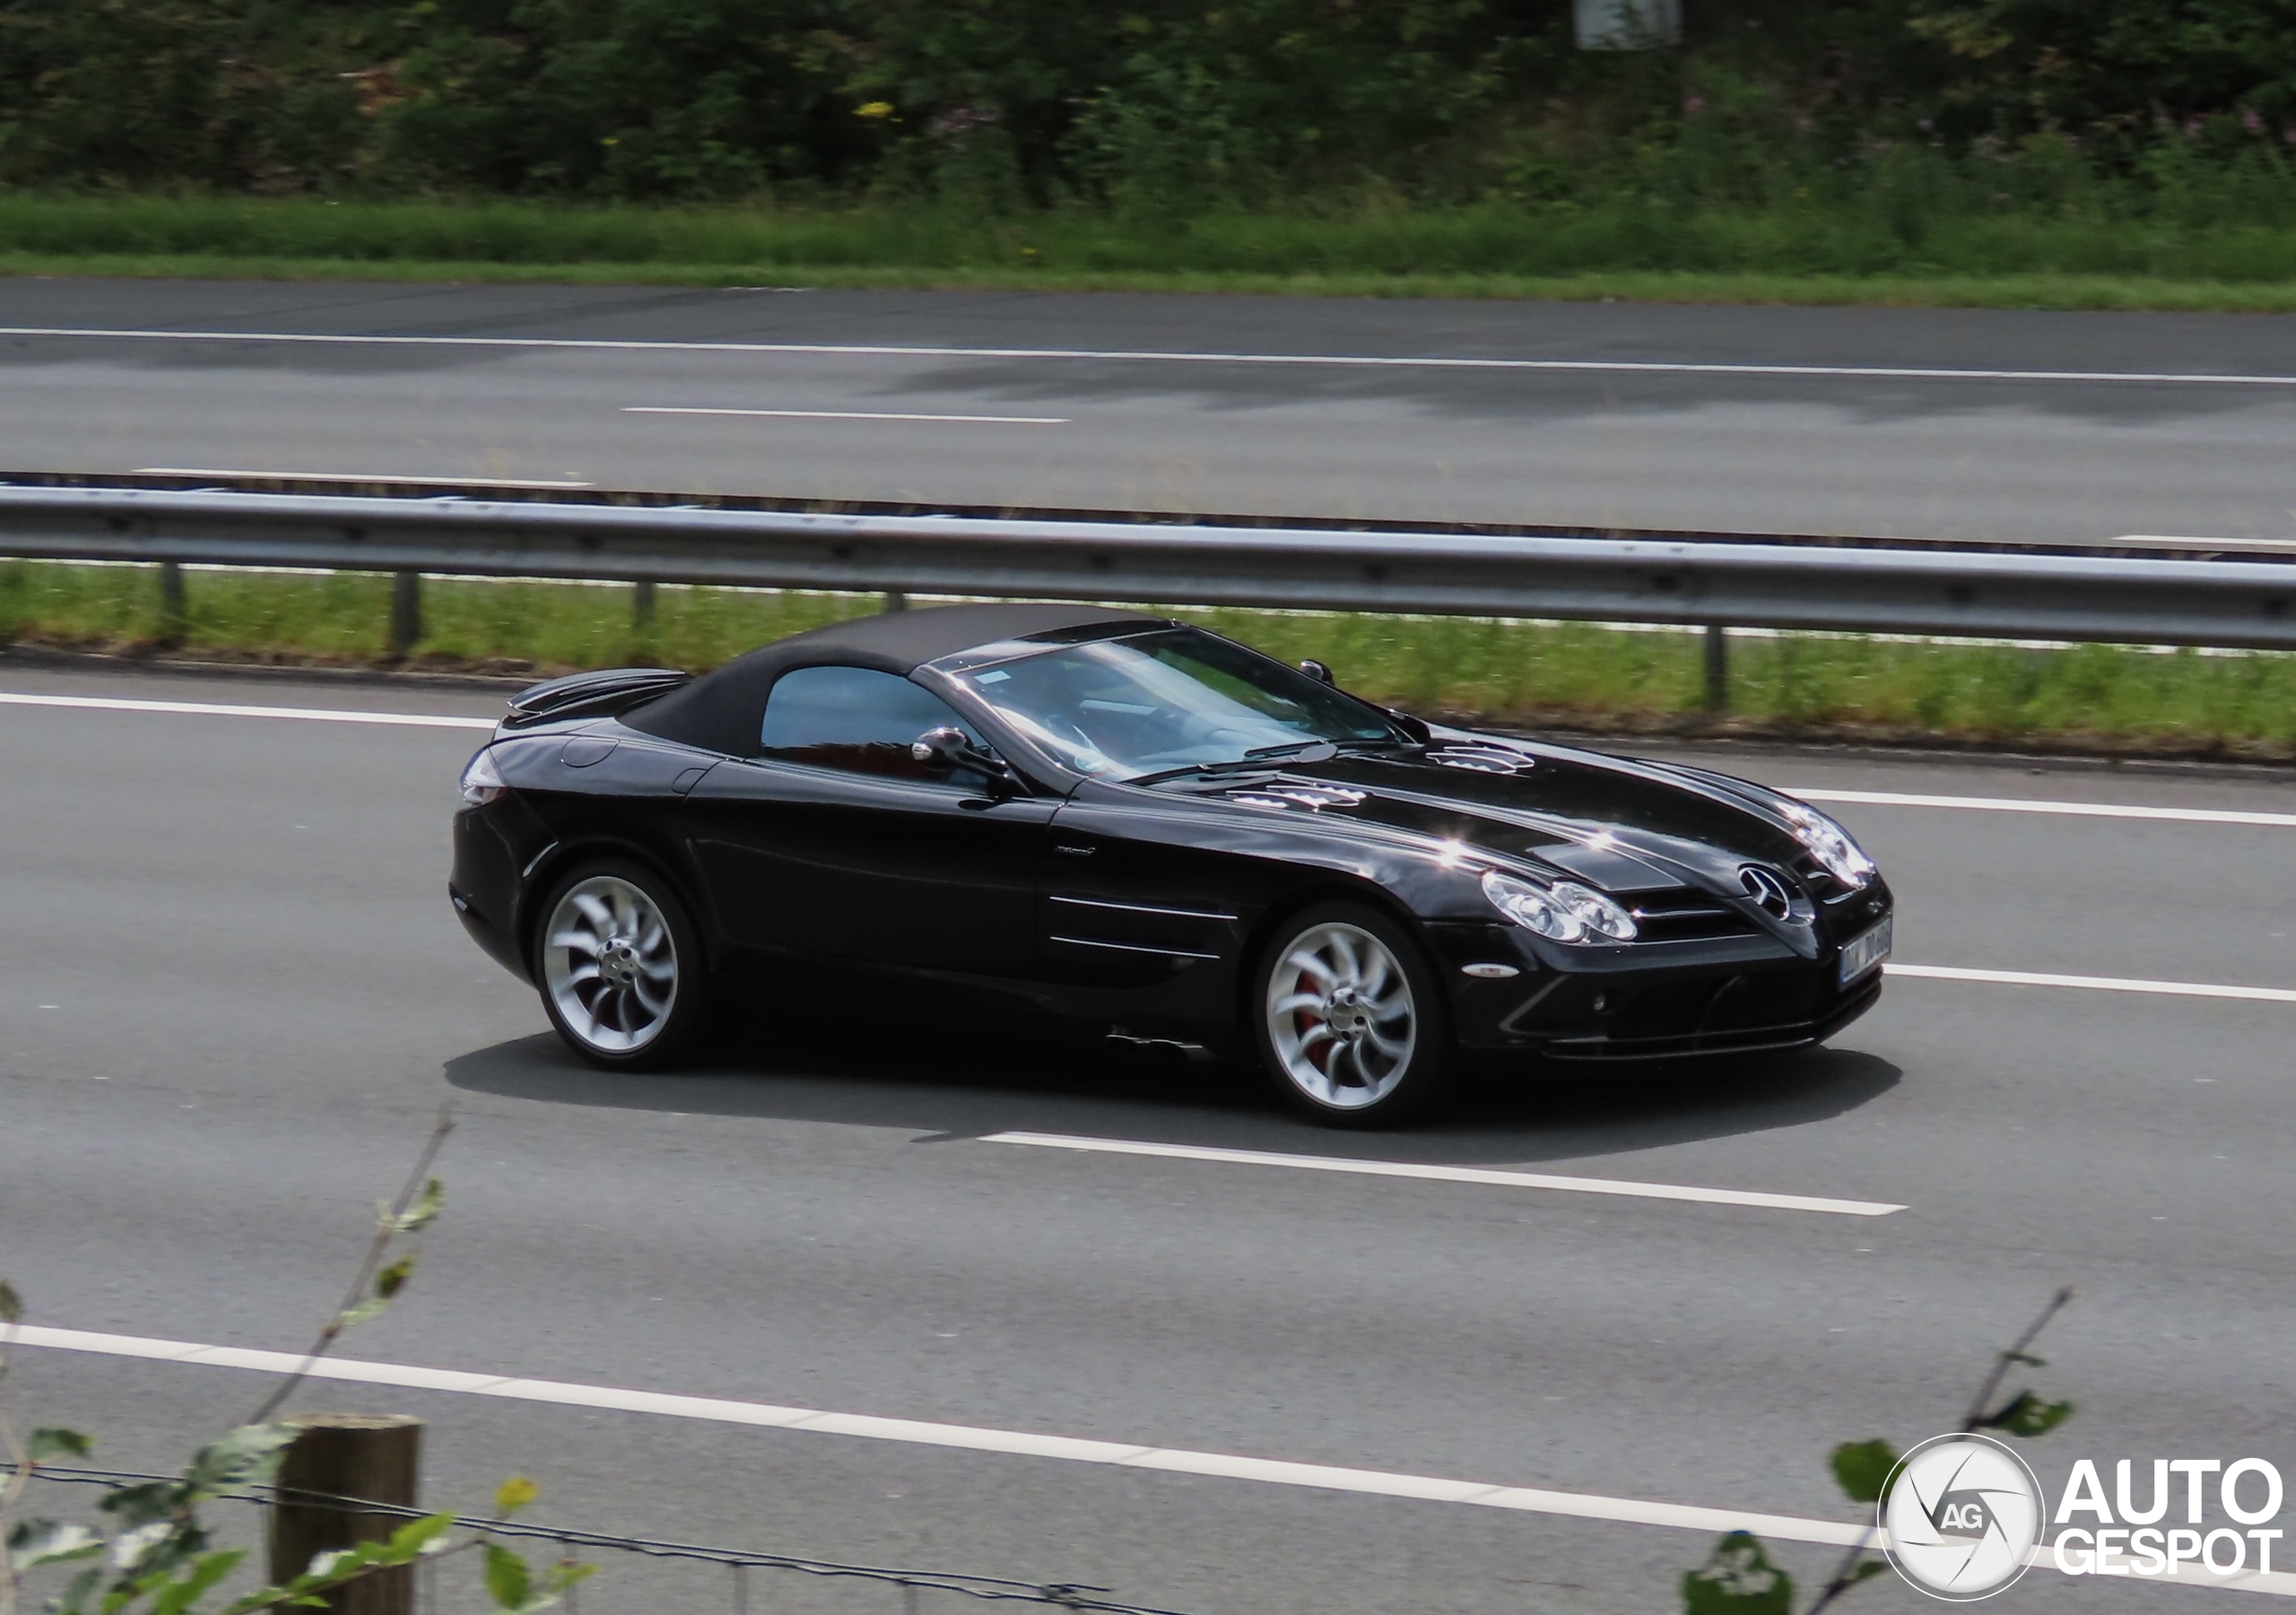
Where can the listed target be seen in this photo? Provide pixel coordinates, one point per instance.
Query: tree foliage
(1134, 103)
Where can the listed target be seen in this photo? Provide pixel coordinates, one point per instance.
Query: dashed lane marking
(1439, 1174)
(379, 478)
(665, 409)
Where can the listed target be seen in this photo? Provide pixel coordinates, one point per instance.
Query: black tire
(1359, 1056)
(603, 940)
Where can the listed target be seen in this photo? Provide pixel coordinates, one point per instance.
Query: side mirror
(948, 747)
(1318, 671)
(943, 748)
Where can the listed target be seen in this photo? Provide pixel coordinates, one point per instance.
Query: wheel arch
(594, 846)
(1323, 886)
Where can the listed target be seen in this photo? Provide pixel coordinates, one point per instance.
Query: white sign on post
(1628, 24)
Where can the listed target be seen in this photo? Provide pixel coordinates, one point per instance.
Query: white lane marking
(663, 409)
(2100, 984)
(1166, 356)
(2018, 804)
(967, 1438)
(1474, 1174)
(352, 476)
(1025, 1443)
(318, 714)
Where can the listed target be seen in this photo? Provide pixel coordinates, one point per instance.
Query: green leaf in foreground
(515, 1494)
(417, 1217)
(12, 1305)
(2028, 1415)
(34, 1542)
(1738, 1579)
(177, 1596)
(1862, 1468)
(54, 1441)
(508, 1583)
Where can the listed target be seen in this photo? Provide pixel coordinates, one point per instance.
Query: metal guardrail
(1656, 578)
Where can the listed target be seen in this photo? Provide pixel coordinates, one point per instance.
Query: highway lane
(1935, 423)
(259, 996)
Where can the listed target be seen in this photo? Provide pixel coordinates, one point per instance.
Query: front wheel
(1347, 1018)
(620, 967)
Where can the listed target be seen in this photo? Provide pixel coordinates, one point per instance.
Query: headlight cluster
(1830, 845)
(1562, 911)
(482, 781)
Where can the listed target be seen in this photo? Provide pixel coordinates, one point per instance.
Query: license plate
(1865, 951)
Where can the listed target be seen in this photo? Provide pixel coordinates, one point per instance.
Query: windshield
(1169, 700)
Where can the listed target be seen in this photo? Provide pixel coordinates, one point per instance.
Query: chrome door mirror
(1318, 671)
(943, 748)
(947, 748)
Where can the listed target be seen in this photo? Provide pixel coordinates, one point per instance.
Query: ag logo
(1963, 1514)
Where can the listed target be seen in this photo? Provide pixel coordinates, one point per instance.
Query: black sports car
(1131, 820)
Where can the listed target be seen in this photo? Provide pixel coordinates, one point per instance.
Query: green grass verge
(1629, 251)
(2094, 698)
(2011, 292)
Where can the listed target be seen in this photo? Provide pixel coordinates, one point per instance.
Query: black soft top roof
(719, 711)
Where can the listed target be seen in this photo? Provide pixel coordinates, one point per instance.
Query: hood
(1618, 824)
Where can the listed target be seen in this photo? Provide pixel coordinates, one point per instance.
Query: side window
(853, 718)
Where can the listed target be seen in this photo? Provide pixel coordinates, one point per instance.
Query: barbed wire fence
(910, 1586)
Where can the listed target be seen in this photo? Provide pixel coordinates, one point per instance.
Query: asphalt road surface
(232, 997)
(1888, 422)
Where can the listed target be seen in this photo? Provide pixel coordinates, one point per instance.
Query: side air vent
(1308, 796)
(1483, 760)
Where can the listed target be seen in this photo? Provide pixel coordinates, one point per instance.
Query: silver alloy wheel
(1340, 1016)
(610, 965)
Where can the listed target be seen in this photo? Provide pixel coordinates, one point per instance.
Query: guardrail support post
(406, 612)
(641, 605)
(175, 613)
(1718, 668)
(895, 601)
(370, 1456)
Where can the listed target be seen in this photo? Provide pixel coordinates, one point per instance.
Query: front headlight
(1830, 845)
(1563, 911)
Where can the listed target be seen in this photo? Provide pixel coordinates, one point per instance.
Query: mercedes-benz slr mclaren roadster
(1132, 822)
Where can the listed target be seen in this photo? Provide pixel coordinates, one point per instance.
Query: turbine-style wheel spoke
(610, 965)
(1340, 1016)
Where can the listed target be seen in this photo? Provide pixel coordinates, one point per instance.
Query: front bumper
(1729, 996)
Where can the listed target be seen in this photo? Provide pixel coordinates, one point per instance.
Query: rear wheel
(1347, 1018)
(620, 967)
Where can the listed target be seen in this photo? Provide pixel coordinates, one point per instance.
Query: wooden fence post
(406, 611)
(175, 612)
(375, 1457)
(1718, 668)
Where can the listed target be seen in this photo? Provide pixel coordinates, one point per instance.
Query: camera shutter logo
(1964, 1514)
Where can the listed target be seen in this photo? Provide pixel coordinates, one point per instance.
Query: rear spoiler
(602, 694)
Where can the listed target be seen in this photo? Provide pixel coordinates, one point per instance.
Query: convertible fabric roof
(720, 710)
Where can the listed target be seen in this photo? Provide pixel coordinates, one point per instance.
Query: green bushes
(1898, 112)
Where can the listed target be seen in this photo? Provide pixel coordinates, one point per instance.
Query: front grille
(1679, 914)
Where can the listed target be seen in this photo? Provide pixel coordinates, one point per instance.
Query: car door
(834, 842)
(1139, 891)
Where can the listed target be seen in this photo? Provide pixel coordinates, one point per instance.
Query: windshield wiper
(1258, 757)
